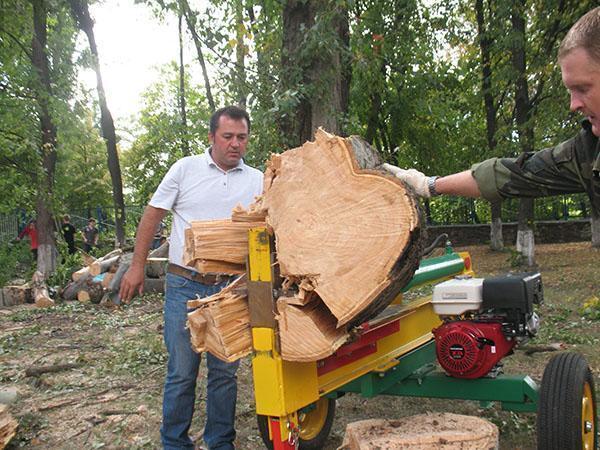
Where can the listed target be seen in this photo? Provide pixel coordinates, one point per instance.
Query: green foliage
(67, 265)
(15, 262)
(591, 308)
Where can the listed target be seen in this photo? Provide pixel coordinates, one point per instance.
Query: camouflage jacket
(568, 168)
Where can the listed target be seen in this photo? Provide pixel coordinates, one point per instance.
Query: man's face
(229, 142)
(581, 76)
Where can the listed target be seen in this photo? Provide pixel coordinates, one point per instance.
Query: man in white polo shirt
(200, 187)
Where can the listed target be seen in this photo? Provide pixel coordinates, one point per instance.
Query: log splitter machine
(448, 345)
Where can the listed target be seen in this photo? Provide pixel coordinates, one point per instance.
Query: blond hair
(584, 34)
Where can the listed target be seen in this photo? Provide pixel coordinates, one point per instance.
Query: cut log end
(422, 432)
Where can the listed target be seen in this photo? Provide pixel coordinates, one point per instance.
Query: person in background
(570, 167)
(68, 231)
(30, 230)
(90, 235)
(199, 187)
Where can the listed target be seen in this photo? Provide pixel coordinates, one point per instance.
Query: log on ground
(8, 426)
(16, 295)
(422, 432)
(41, 297)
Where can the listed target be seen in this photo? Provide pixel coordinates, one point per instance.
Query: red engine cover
(470, 349)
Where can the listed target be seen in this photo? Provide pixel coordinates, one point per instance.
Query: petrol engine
(484, 319)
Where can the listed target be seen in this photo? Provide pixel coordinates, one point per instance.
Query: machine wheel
(567, 405)
(315, 425)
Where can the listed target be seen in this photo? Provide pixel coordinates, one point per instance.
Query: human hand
(418, 181)
(132, 283)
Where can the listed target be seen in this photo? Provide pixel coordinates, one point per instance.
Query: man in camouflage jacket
(570, 167)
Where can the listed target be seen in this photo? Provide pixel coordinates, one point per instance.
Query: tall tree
(84, 21)
(491, 119)
(45, 226)
(190, 18)
(185, 145)
(524, 123)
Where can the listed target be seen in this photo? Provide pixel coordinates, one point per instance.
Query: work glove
(418, 181)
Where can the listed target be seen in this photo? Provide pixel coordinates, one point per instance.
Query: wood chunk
(217, 240)
(106, 279)
(355, 233)
(16, 295)
(254, 213)
(422, 432)
(221, 324)
(41, 297)
(104, 265)
(8, 426)
(81, 273)
(212, 266)
(308, 333)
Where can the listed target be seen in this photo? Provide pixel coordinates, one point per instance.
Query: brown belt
(204, 278)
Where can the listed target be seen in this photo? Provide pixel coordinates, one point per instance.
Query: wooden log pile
(348, 239)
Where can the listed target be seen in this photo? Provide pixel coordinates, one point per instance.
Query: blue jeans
(182, 372)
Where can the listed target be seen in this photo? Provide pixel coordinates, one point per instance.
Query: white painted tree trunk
(595, 225)
(526, 245)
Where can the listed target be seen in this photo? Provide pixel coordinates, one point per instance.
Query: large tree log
(422, 432)
(353, 233)
(348, 239)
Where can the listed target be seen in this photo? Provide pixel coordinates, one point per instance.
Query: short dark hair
(235, 112)
(91, 219)
(584, 34)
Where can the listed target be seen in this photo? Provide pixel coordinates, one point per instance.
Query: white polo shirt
(195, 188)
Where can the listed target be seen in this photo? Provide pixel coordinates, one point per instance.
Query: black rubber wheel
(567, 418)
(315, 425)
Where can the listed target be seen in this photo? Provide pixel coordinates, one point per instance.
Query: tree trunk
(343, 254)
(46, 262)
(595, 225)
(185, 144)
(491, 120)
(190, 19)
(321, 80)
(496, 239)
(84, 21)
(525, 240)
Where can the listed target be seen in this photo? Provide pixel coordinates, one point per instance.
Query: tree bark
(595, 225)
(46, 261)
(84, 21)
(491, 121)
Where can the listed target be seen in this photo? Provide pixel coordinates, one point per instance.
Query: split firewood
(348, 239)
(433, 431)
(217, 240)
(41, 297)
(8, 426)
(81, 273)
(16, 295)
(254, 213)
(221, 324)
(87, 258)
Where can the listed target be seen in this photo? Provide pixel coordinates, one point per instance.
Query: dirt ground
(111, 398)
